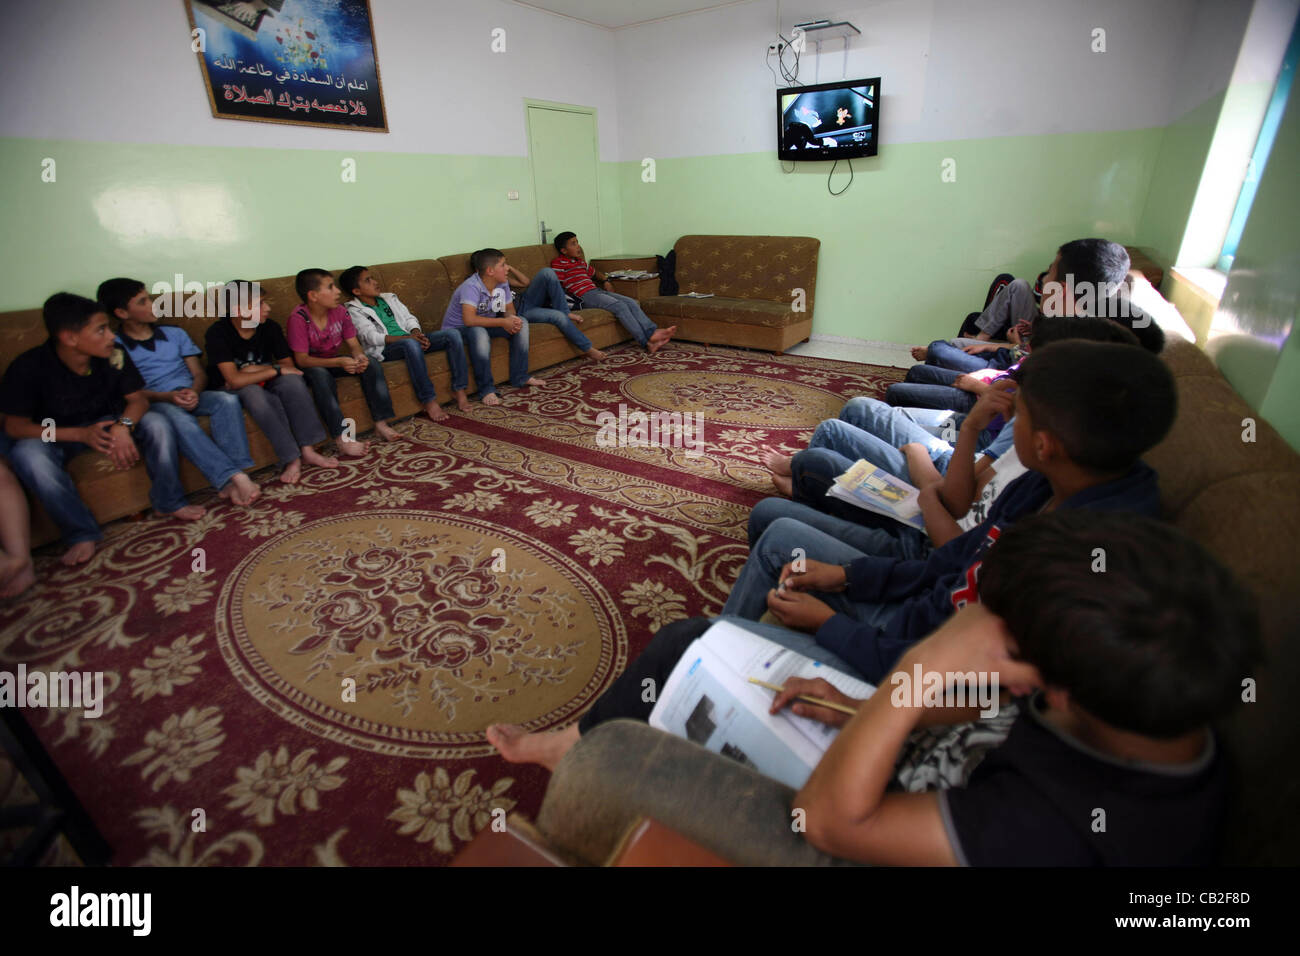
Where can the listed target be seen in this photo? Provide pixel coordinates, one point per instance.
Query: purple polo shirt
(473, 292)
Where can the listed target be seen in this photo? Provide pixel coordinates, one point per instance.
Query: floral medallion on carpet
(310, 678)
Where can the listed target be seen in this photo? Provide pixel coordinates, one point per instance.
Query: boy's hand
(362, 360)
(575, 317)
(121, 448)
(974, 639)
(288, 369)
(816, 687)
(817, 576)
(186, 398)
(797, 610)
(607, 286)
(421, 338)
(514, 324)
(979, 349)
(96, 436)
(998, 399)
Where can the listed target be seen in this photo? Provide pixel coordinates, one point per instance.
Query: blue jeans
(943, 354)
(478, 338)
(409, 351)
(775, 549)
(42, 467)
(325, 391)
(220, 457)
(863, 531)
(928, 386)
(626, 309)
(544, 301)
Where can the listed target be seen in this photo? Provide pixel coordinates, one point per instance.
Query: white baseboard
(865, 343)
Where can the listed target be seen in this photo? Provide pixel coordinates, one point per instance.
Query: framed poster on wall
(302, 62)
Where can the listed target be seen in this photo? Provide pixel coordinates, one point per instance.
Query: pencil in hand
(805, 698)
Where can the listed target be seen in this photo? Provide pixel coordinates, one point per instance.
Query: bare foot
(312, 457)
(776, 462)
(575, 317)
(241, 489)
(292, 472)
(434, 411)
(386, 431)
(533, 381)
(920, 352)
(784, 484)
(353, 449)
(491, 398)
(19, 579)
(595, 354)
(546, 749)
(79, 553)
(660, 339)
(186, 513)
(462, 400)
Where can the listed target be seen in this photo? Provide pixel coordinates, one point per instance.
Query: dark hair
(1155, 640)
(1049, 329)
(114, 294)
(68, 312)
(348, 279)
(1095, 261)
(233, 293)
(563, 238)
(1149, 335)
(309, 280)
(485, 259)
(1106, 403)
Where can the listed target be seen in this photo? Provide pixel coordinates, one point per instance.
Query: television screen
(829, 120)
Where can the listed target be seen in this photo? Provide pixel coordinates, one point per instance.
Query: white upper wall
(950, 69)
(122, 71)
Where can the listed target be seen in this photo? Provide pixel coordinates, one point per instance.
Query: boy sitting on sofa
(543, 300)
(1111, 682)
(248, 356)
(174, 384)
(869, 608)
(388, 331)
(80, 392)
(579, 280)
(482, 308)
(318, 331)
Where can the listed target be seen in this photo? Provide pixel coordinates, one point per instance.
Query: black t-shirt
(223, 343)
(1034, 801)
(37, 385)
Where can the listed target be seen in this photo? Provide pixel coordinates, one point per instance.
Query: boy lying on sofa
(1110, 681)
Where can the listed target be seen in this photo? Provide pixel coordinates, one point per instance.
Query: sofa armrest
(624, 770)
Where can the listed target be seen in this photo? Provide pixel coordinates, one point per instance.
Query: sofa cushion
(748, 267)
(23, 330)
(1205, 446)
(719, 309)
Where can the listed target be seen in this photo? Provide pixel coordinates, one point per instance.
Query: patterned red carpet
(320, 692)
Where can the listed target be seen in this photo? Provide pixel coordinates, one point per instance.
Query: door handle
(545, 231)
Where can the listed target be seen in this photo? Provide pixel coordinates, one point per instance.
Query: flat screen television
(828, 121)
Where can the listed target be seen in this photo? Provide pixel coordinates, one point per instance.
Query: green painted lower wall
(151, 211)
(1184, 146)
(905, 255)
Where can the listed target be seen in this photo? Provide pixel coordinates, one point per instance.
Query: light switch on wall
(512, 194)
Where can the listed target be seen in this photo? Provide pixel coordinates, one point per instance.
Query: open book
(875, 489)
(708, 699)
